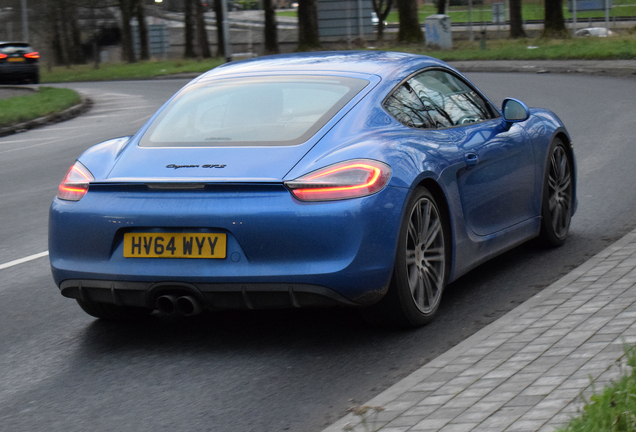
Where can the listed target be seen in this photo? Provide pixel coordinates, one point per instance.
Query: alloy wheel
(425, 255)
(560, 192)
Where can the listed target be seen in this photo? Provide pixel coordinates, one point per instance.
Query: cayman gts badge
(175, 166)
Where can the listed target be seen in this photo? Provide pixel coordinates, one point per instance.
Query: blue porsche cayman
(364, 179)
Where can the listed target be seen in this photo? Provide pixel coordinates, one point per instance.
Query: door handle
(471, 159)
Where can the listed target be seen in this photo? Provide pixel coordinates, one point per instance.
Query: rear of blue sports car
(207, 207)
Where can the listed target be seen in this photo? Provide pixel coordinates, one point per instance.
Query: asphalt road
(61, 370)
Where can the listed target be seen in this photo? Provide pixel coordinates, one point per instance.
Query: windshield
(279, 110)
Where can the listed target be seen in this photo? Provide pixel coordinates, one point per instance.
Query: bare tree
(441, 6)
(554, 24)
(220, 37)
(410, 31)
(308, 37)
(144, 49)
(189, 29)
(271, 32)
(127, 8)
(202, 34)
(516, 20)
(62, 26)
(381, 9)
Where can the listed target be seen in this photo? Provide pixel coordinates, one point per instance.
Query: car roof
(382, 63)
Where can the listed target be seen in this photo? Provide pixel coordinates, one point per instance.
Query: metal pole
(25, 21)
(226, 33)
(607, 16)
(574, 17)
(348, 18)
(471, 36)
(360, 24)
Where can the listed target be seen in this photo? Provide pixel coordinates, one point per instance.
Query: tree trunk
(220, 40)
(144, 50)
(441, 6)
(554, 23)
(61, 23)
(516, 20)
(56, 43)
(202, 34)
(73, 35)
(189, 29)
(382, 11)
(66, 40)
(271, 32)
(52, 13)
(410, 31)
(127, 50)
(308, 37)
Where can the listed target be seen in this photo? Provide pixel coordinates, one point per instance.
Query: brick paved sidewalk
(527, 370)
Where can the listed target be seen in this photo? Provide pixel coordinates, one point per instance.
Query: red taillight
(3, 56)
(75, 183)
(32, 55)
(350, 179)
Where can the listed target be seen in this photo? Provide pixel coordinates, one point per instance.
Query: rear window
(15, 47)
(278, 110)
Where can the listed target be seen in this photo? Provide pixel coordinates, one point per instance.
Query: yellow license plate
(15, 59)
(174, 245)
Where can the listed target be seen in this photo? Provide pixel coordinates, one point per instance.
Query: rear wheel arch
(421, 272)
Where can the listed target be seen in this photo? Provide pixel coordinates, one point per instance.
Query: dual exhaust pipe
(183, 305)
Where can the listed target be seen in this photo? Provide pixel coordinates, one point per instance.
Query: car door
(496, 184)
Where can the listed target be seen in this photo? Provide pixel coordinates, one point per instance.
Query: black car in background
(19, 63)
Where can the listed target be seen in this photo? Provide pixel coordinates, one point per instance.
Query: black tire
(113, 312)
(421, 269)
(558, 195)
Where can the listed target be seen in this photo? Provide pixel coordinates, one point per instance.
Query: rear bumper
(339, 252)
(213, 296)
(10, 71)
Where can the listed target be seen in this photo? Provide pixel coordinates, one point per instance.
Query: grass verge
(122, 71)
(614, 409)
(47, 100)
(614, 48)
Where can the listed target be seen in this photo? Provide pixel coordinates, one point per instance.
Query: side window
(436, 99)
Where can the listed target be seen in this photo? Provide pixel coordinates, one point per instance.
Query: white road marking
(23, 260)
(110, 110)
(40, 145)
(26, 140)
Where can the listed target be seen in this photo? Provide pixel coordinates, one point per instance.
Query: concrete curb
(416, 377)
(614, 68)
(69, 113)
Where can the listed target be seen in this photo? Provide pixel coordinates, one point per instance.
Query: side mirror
(514, 110)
